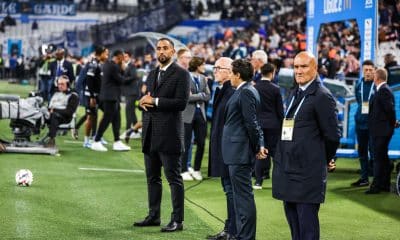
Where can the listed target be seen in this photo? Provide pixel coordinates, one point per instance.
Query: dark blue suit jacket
(300, 165)
(242, 136)
(66, 69)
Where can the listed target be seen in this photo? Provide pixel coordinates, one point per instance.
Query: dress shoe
(219, 236)
(360, 183)
(373, 191)
(172, 227)
(147, 222)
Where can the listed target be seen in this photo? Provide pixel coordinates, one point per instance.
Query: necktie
(160, 76)
(58, 73)
(299, 93)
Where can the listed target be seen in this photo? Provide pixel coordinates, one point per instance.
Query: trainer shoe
(197, 175)
(119, 146)
(135, 135)
(98, 146)
(360, 183)
(88, 143)
(186, 176)
(191, 170)
(257, 186)
(103, 141)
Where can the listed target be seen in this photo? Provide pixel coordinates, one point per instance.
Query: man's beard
(163, 59)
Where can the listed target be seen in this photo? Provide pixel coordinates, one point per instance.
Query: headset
(65, 77)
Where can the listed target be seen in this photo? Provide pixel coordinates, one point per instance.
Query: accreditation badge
(287, 129)
(365, 108)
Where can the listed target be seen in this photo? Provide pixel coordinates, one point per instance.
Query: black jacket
(111, 82)
(163, 124)
(382, 115)
(300, 166)
(270, 115)
(216, 166)
(131, 82)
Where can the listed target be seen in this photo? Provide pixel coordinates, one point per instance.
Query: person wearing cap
(110, 94)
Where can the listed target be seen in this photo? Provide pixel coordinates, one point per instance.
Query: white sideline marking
(112, 170)
(69, 141)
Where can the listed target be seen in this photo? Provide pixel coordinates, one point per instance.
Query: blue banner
(31, 7)
(325, 11)
(14, 47)
(155, 20)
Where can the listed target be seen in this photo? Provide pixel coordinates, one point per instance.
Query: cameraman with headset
(62, 107)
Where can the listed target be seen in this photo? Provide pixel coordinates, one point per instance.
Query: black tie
(160, 76)
(299, 93)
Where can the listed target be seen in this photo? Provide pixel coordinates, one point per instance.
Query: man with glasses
(62, 107)
(216, 167)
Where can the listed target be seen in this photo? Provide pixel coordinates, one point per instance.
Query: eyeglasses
(220, 68)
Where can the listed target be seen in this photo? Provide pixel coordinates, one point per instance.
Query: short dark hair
(267, 69)
(129, 52)
(166, 39)
(244, 68)
(118, 52)
(368, 63)
(195, 62)
(99, 49)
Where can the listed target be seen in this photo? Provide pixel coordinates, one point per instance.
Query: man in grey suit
(242, 140)
(194, 117)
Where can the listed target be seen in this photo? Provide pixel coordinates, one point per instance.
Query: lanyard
(362, 92)
(298, 107)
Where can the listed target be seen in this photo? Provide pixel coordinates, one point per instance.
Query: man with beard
(163, 135)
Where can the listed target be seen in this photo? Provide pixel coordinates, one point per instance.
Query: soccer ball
(24, 177)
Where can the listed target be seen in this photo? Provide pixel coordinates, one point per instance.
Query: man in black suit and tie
(60, 67)
(216, 166)
(163, 135)
(381, 122)
(309, 139)
(270, 117)
(242, 140)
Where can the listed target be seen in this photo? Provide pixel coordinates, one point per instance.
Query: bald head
(222, 69)
(305, 68)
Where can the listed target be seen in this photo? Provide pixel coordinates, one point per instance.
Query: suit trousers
(271, 138)
(153, 162)
(199, 128)
(381, 163)
(364, 146)
(230, 223)
(130, 112)
(303, 220)
(111, 115)
(54, 121)
(243, 198)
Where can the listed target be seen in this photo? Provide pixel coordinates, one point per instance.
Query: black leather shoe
(373, 191)
(172, 227)
(219, 236)
(147, 222)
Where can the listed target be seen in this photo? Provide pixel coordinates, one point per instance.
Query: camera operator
(62, 107)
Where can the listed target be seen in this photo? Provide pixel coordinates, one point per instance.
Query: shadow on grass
(385, 203)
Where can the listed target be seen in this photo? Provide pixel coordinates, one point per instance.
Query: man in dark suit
(163, 135)
(130, 90)
(242, 140)
(309, 139)
(59, 67)
(270, 117)
(381, 122)
(216, 165)
(110, 95)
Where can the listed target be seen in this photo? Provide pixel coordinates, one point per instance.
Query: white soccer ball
(24, 177)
